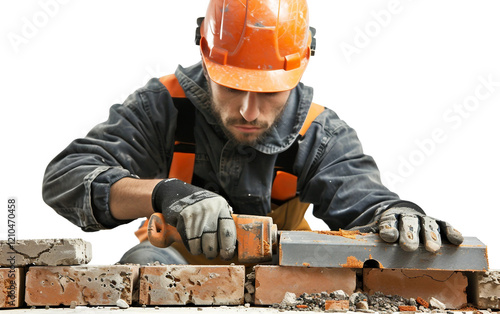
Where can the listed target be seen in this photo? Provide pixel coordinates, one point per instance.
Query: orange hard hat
(256, 45)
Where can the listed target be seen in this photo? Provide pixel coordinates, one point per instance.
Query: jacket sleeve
(133, 142)
(341, 182)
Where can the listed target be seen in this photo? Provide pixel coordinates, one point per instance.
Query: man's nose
(249, 109)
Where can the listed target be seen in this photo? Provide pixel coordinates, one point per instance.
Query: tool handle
(160, 233)
(256, 236)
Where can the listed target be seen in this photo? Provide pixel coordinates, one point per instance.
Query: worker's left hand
(407, 222)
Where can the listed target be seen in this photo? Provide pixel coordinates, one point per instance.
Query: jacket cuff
(406, 204)
(100, 190)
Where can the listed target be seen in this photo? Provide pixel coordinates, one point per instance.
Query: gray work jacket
(137, 141)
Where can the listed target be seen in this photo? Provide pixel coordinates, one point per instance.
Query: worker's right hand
(202, 218)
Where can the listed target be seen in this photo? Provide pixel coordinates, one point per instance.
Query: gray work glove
(407, 222)
(202, 218)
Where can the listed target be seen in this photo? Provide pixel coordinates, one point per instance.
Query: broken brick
(488, 290)
(422, 302)
(407, 308)
(272, 282)
(336, 305)
(11, 287)
(80, 285)
(47, 252)
(446, 286)
(192, 284)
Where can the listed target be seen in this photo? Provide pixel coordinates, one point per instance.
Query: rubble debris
(340, 295)
(337, 305)
(250, 287)
(436, 304)
(362, 305)
(357, 297)
(122, 304)
(248, 298)
(407, 308)
(422, 302)
(289, 300)
(339, 301)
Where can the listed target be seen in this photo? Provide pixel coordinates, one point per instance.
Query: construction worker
(235, 133)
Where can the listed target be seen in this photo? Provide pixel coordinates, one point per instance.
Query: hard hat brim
(254, 80)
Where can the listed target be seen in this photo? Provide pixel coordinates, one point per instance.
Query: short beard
(250, 142)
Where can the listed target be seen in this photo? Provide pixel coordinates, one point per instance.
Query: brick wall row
(226, 285)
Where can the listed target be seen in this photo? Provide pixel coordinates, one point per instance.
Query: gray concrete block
(336, 249)
(45, 252)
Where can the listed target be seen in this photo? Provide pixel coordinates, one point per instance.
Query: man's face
(246, 116)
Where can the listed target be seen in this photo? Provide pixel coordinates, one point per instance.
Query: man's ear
(205, 73)
(205, 70)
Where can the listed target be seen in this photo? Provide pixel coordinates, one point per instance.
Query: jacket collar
(282, 134)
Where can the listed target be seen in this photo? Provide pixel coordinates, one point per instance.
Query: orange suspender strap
(182, 165)
(285, 184)
(314, 111)
(173, 86)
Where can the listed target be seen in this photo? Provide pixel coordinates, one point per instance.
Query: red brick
(83, 285)
(192, 284)
(336, 305)
(272, 282)
(446, 286)
(11, 287)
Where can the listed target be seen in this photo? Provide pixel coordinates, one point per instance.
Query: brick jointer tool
(257, 236)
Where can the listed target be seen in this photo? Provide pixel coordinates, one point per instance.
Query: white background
(399, 72)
